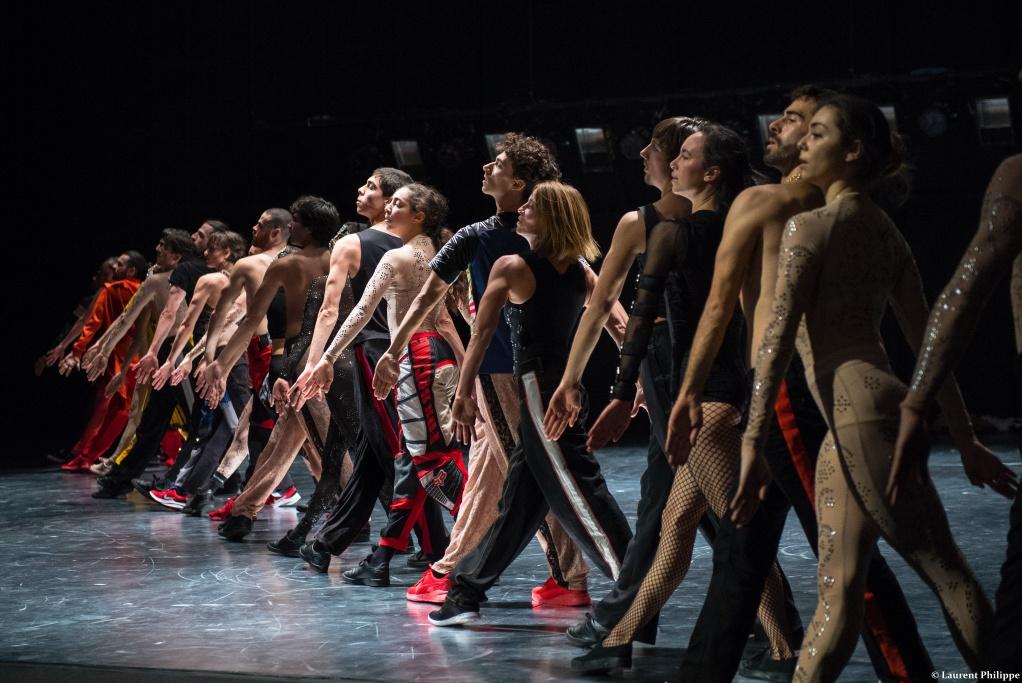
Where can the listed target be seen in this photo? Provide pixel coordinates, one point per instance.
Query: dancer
(710, 170)
(746, 267)
(838, 266)
(429, 462)
(997, 242)
(314, 221)
(545, 289)
(520, 164)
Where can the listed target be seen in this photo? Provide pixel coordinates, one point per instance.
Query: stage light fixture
(763, 122)
(593, 149)
(492, 140)
(406, 153)
(993, 120)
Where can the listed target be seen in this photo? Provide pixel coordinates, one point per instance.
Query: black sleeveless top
(680, 266)
(542, 328)
(276, 316)
(650, 217)
(374, 244)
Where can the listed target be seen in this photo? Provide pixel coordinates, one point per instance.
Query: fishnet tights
(707, 479)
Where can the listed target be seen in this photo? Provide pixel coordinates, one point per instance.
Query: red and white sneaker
(284, 499)
(222, 512)
(429, 588)
(553, 594)
(169, 498)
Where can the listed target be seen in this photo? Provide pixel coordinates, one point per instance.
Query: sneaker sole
(456, 620)
(437, 598)
(374, 583)
(281, 551)
(173, 505)
(562, 601)
(288, 502)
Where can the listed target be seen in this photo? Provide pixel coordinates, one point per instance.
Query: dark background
(122, 120)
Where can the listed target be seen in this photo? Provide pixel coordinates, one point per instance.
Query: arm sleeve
(98, 319)
(666, 245)
(455, 256)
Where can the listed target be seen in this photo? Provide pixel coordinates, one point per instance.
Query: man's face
(299, 233)
(201, 236)
(164, 256)
(262, 232)
(782, 146)
(370, 201)
(499, 177)
(121, 267)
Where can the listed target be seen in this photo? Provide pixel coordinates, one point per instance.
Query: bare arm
(217, 321)
(381, 281)
(203, 288)
(346, 253)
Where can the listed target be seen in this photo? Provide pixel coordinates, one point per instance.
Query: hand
(163, 374)
(278, 395)
(682, 428)
(385, 375)
(562, 411)
(983, 468)
(94, 363)
(53, 355)
(182, 371)
(113, 385)
(465, 413)
(320, 380)
(640, 400)
(296, 395)
(68, 364)
(213, 384)
(911, 451)
(610, 425)
(753, 480)
(145, 367)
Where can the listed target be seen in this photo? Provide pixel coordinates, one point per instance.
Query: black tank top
(542, 328)
(650, 217)
(276, 316)
(374, 244)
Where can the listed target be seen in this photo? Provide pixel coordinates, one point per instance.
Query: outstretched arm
(798, 268)
(148, 363)
(498, 289)
(95, 360)
(203, 289)
(218, 319)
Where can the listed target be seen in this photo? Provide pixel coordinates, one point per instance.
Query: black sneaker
(289, 546)
(197, 503)
(235, 528)
(454, 614)
(587, 633)
(144, 486)
(316, 556)
(763, 668)
(111, 489)
(601, 660)
(421, 560)
(366, 574)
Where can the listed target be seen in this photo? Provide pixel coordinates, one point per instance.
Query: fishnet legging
(707, 479)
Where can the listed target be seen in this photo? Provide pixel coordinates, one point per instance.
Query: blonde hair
(564, 230)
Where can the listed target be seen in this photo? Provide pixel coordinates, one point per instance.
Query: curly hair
(434, 207)
(177, 242)
(231, 241)
(319, 217)
(530, 159)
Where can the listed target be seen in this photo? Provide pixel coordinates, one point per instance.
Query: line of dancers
(753, 344)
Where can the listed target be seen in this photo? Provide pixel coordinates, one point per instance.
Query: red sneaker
(76, 464)
(429, 589)
(169, 498)
(222, 512)
(284, 499)
(553, 594)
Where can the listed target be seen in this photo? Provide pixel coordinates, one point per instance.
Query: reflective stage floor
(124, 590)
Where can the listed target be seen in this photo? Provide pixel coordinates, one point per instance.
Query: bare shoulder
(217, 279)
(346, 246)
(1007, 179)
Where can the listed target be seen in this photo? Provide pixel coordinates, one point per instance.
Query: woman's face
(687, 170)
(822, 152)
(528, 218)
(399, 212)
(655, 168)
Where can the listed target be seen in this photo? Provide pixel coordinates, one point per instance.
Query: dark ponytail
(433, 206)
(725, 149)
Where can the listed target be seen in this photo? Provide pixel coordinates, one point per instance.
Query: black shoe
(316, 556)
(235, 528)
(302, 507)
(763, 668)
(421, 560)
(364, 535)
(587, 633)
(289, 546)
(199, 502)
(229, 487)
(452, 613)
(111, 489)
(366, 574)
(601, 660)
(144, 486)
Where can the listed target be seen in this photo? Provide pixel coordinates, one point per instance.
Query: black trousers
(151, 427)
(544, 476)
(742, 558)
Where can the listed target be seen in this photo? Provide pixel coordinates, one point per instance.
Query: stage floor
(108, 589)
